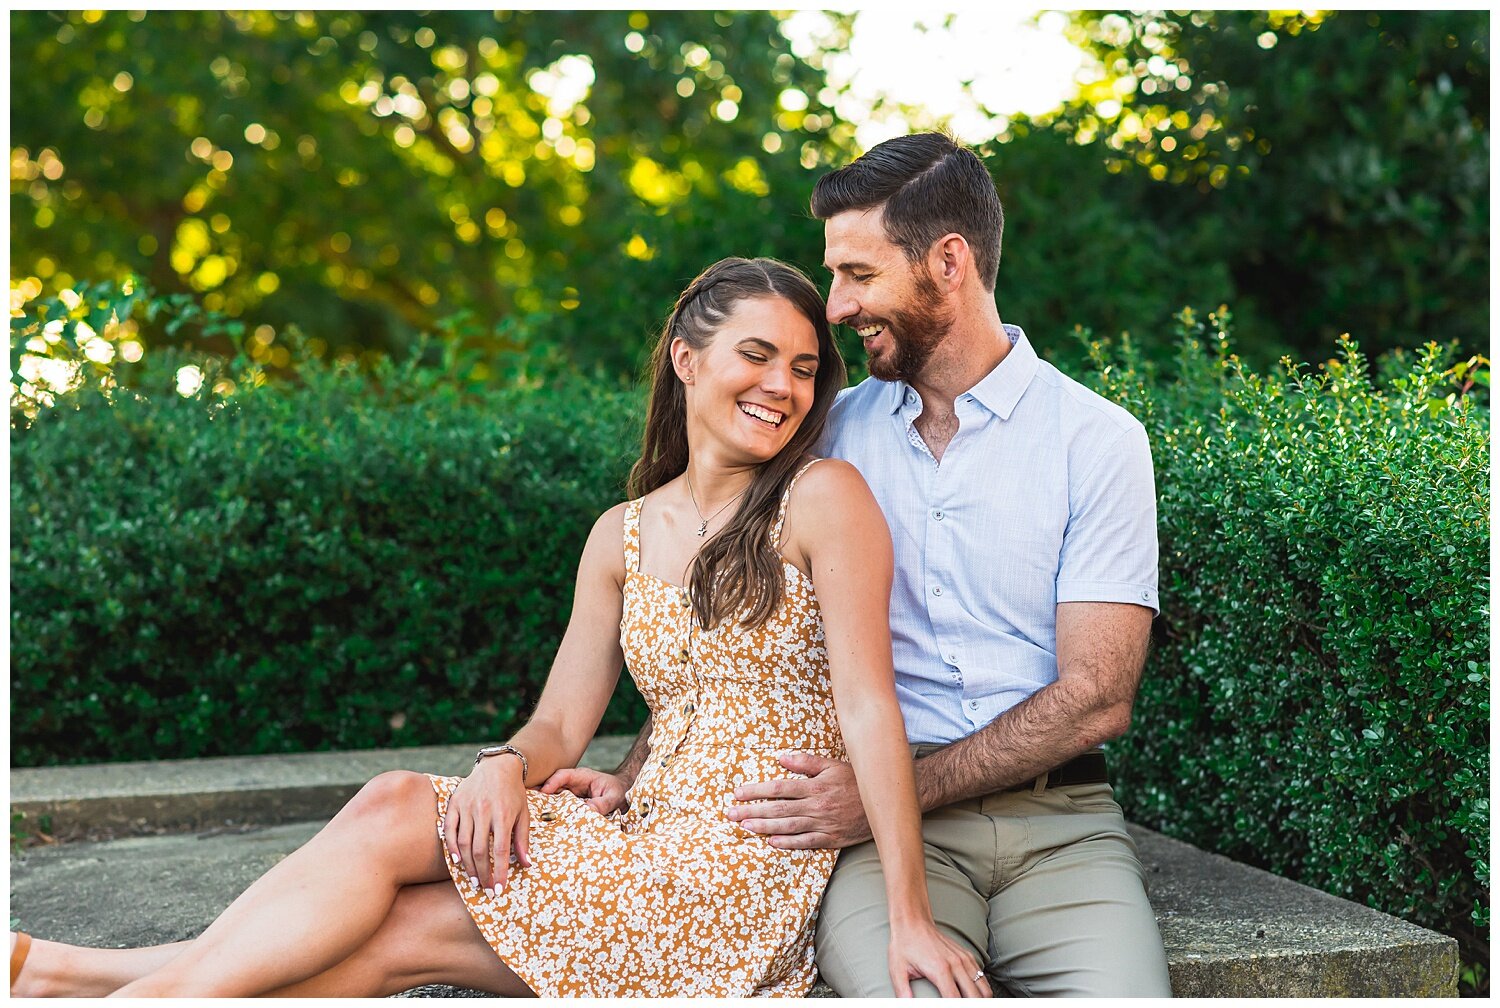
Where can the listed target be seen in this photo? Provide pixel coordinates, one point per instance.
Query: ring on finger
(979, 976)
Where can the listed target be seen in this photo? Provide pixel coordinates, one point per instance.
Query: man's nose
(841, 303)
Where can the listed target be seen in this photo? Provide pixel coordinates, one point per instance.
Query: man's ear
(948, 261)
(684, 359)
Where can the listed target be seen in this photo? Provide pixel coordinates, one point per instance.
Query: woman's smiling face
(749, 389)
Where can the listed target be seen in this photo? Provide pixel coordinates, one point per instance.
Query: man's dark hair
(931, 186)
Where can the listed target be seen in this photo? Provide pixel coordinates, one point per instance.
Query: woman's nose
(777, 381)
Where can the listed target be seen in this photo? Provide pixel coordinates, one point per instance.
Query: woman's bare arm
(836, 527)
(487, 817)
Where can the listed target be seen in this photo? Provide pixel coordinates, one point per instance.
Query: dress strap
(633, 535)
(786, 499)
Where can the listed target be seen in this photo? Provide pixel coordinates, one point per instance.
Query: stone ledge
(109, 800)
(1229, 930)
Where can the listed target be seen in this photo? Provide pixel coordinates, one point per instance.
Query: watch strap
(501, 750)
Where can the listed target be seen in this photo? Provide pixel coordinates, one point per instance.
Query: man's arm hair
(1101, 652)
(630, 766)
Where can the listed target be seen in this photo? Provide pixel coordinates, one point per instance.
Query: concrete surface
(1230, 930)
(108, 800)
(1233, 930)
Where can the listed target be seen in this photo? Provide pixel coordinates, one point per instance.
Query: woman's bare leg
(319, 905)
(56, 969)
(427, 938)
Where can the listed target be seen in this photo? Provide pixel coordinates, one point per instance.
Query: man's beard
(914, 332)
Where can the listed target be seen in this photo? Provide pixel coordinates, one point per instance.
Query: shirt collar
(1001, 389)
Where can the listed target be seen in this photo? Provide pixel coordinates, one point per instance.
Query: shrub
(351, 560)
(1317, 699)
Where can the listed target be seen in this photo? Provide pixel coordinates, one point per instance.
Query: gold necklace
(702, 521)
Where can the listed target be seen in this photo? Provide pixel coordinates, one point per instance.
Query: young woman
(746, 588)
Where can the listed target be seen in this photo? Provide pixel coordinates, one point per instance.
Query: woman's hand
(487, 818)
(924, 951)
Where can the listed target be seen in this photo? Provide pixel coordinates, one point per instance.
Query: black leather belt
(1089, 768)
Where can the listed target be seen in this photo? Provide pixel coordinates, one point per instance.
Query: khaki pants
(1046, 889)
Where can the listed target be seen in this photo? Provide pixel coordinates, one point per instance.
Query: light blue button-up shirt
(1044, 495)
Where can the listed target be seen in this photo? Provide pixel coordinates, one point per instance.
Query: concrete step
(109, 800)
(1230, 930)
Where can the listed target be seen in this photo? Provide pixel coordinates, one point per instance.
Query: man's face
(893, 303)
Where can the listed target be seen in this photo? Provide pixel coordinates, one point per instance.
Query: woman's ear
(684, 359)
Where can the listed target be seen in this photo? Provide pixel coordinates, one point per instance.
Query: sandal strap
(18, 955)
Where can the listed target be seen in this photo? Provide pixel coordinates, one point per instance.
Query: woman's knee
(394, 796)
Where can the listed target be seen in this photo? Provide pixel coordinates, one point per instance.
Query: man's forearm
(630, 766)
(1043, 731)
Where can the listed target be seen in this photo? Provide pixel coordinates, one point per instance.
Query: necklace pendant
(702, 529)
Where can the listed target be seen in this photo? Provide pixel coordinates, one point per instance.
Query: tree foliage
(556, 176)
(559, 174)
(1334, 165)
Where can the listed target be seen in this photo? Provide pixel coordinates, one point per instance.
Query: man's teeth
(761, 413)
(865, 332)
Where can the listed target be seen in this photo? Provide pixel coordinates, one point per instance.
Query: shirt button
(1145, 596)
(953, 659)
(911, 397)
(973, 705)
(937, 591)
(938, 515)
(682, 656)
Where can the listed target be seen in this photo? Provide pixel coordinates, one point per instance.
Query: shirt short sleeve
(1109, 551)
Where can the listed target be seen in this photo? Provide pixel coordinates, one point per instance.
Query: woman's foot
(20, 946)
(55, 969)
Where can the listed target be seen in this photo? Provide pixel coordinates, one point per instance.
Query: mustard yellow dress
(671, 898)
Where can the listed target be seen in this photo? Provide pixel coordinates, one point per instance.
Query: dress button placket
(684, 657)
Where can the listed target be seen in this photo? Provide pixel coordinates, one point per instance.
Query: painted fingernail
(490, 893)
(473, 882)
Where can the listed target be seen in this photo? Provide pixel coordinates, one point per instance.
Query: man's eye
(863, 277)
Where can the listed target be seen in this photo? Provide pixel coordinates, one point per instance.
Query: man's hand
(822, 811)
(605, 793)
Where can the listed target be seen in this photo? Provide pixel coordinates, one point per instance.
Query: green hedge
(353, 560)
(363, 559)
(1317, 701)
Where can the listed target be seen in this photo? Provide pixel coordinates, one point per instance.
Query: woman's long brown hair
(737, 571)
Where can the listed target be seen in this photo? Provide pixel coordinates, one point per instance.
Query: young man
(1023, 513)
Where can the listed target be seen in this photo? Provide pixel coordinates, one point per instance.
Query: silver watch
(500, 750)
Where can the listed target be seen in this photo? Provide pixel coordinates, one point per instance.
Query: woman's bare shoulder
(831, 501)
(829, 481)
(605, 549)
